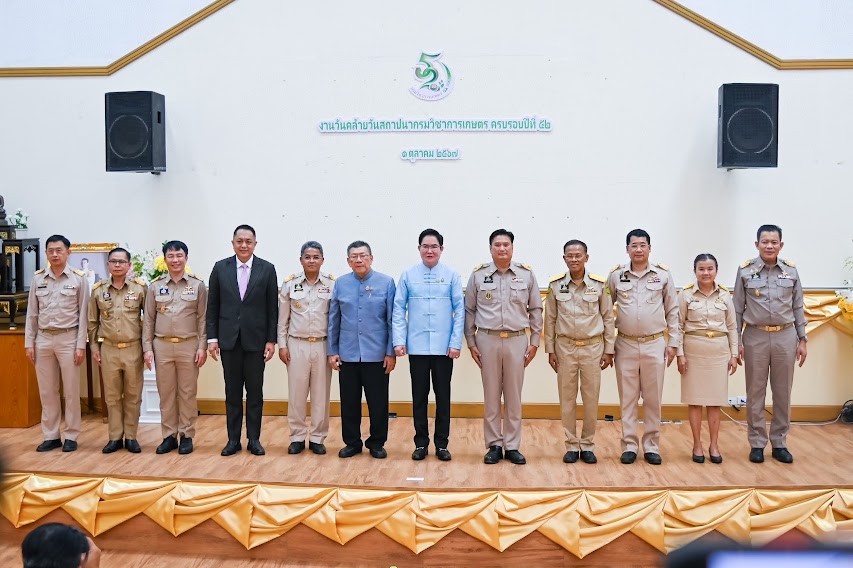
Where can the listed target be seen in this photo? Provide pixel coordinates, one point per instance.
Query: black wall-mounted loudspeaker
(748, 125)
(135, 131)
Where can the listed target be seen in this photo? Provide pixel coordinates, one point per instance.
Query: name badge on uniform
(623, 277)
(131, 297)
(41, 286)
(517, 279)
(654, 279)
(590, 290)
(106, 295)
(324, 290)
(69, 287)
(298, 287)
(755, 276)
(785, 275)
(564, 287)
(488, 279)
(163, 291)
(188, 293)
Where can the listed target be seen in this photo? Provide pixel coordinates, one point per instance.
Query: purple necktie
(243, 280)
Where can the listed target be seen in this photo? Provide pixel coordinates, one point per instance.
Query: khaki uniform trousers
(772, 353)
(308, 374)
(503, 374)
(177, 384)
(121, 370)
(584, 360)
(55, 362)
(639, 373)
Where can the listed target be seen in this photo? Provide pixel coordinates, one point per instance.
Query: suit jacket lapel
(231, 276)
(254, 276)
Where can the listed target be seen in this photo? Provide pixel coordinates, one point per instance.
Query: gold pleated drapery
(579, 520)
(823, 308)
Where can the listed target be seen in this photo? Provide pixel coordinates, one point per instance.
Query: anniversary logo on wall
(433, 76)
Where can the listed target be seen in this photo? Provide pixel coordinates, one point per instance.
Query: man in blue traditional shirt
(360, 348)
(432, 337)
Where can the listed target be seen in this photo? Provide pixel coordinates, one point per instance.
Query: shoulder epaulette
(140, 281)
(789, 263)
(191, 275)
(747, 262)
(78, 272)
(688, 286)
(98, 284)
(330, 277)
(40, 271)
(525, 266)
(662, 266)
(721, 287)
(598, 278)
(161, 277)
(480, 267)
(557, 277)
(289, 278)
(615, 268)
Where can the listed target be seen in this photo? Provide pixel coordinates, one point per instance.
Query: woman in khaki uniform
(708, 351)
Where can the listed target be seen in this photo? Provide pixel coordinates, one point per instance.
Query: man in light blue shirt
(360, 348)
(431, 337)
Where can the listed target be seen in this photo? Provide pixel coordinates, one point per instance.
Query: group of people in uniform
(360, 323)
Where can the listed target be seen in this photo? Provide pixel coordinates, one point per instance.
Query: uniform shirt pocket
(624, 295)
(656, 291)
(488, 293)
(717, 312)
(519, 292)
(590, 303)
(754, 283)
(68, 296)
(694, 311)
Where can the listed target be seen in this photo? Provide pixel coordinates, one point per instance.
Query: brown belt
(503, 334)
(773, 327)
(121, 345)
(55, 331)
(309, 339)
(707, 333)
(176, 339)
(581, 342)
(643, 338)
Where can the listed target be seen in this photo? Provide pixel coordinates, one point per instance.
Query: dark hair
(175, 246)
(312, 245)
(768, 229)
(54, 545)
(119, 249)
(501, 233)
(431, 233)
(84, 258)
(639, 233)
(245, 228)
(574, 242)
(359, 244)
(705, 256)
(57, 239)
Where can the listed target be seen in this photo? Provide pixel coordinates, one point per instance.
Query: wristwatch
(804, 338)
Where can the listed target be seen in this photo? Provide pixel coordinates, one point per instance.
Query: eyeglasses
(430, 247)
(573, 256)
(358, 256)
(117, 262)
(641, 246)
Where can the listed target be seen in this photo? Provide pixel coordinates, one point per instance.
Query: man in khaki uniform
(646, 304)
(579, 337)
(501, 301)
(768, 298)
(55, 341)
(115, 316)
(303, 324)
(174, 335)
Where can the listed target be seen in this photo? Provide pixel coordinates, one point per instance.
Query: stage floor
(821, 459)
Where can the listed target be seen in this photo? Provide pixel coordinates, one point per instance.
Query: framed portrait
(91, 258)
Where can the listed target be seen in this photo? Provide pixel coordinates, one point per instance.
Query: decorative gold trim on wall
(122, 62)
(751, 48)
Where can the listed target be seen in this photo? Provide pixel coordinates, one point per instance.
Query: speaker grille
(128, 136)
(750, 130)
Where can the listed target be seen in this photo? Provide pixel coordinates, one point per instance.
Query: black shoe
(699, 459)
(48, 445)
(570, 457)
(515, 457)
(169, 443)
(756, 455)
(419, 453)
(715, 459)
(255, 448)
(315, 447)
(113, 446)
(71, 445)
(295, 447)
(186, 446)
(132, 446)
(653, 458)
(231, 448)
(494, 455)
(628, 457)
(443, 454)
(378, 453)
(587, 456)
(349, 451)
(779, 454)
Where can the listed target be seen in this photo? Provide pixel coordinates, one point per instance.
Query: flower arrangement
(151, 265)
(845, 296)
(20, 219)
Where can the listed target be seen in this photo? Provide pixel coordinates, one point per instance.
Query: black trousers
(243, 368)
(441, 368)
(371, 377)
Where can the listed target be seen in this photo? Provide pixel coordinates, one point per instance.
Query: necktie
(243, 280)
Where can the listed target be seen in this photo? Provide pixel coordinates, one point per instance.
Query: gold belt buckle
(503, 335)
(709, 334)
(174, 340)
(581, 343)
(641, 339)
(121, 345)
(773, 328)
(312, 339)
